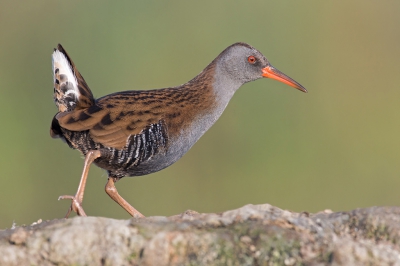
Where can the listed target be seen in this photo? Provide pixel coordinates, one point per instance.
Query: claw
(66, 197)
(76, 205)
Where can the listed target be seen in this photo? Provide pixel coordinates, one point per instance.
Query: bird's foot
(76, 205)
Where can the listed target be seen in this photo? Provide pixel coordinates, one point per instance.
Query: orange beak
(273, 73)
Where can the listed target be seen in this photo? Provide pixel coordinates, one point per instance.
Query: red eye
(251, 59)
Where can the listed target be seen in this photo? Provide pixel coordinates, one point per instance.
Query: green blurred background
(336, 147)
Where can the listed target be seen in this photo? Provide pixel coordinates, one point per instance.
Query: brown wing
(112, 119)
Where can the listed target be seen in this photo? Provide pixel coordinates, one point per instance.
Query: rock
(251, 235)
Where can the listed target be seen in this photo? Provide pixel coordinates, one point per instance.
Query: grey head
(241, 63)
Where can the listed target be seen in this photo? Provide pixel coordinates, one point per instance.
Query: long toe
(76, 205)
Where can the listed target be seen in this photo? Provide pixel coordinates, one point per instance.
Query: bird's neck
(224, 88)
(210, 93)
(214, 89)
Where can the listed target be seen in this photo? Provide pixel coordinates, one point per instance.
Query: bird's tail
(70, 89)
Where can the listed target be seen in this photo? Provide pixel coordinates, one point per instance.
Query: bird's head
(243, 63)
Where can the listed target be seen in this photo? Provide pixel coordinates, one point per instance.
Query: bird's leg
(111, 190)
(76, 204)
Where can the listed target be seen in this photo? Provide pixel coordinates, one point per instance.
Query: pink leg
(111, 190)
(76, 205)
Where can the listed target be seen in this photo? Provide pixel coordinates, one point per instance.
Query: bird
(139, 132)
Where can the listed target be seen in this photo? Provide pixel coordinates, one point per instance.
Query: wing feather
(111, 126)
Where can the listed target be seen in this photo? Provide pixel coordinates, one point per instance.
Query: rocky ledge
(251, 235)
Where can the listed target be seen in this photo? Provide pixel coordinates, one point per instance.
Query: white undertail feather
(66, 92)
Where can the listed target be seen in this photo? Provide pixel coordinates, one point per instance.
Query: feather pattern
(115, 117)
(70, 89)
(66, 92)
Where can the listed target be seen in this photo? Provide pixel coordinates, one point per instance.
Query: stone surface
(251, 235)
